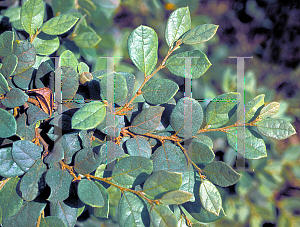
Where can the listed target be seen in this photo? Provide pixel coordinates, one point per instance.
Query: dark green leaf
(176, 197)
(138, 146)
(200, 153)
(159, 91)
(10, 201)
(87, 39)
(188, 181)
(10, 63)
(22, 80)
(210, 197)
(204, 139)
(147, 121)
(130, 81)
(278, 129)
(9, 167)
(32, 14)
(65, 212)
(35, 114)
(25, 153)
(89, 116)
(181, 119)
(269, 110)
(220, 173)
(6, 43)
(29, 186)
(45, 44)
(131, 171)
(67, 58)
(86, 138)
(89, 193)
(102, 212)
(110, 152)
(59, 181)
(200, 63)
(200, 34)
(59, 24)
(51, 221)
(178, 23)
(87, 160)
(25, 132)
(162, 216)
(161, 182)
(25, 53)
(3, 85)
(15, 97)
(252, 106)
(142, 48)
(8, 124)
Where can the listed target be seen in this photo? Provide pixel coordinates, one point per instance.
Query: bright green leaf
(176, 197)
(87, 39)
(82, 67)
(200, 34)
(89, 193)
(8, 124)
(252, 106)
(67, 58)
(15, 97)
(210, 197)
(45, 44)
(59, 24)
(269, 110)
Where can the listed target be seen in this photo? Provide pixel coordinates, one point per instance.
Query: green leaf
(269, 110)
(10, 201)
(32, 14)
(10, 63)
(3, 85)
(8, 124)
(110, 152)
(159, 91)
(62, 6)
(130, 81)
(102, 212)
(59, 182)
(200, 153)
(131, 171)
(51, 221)
(67, 58)
(161, 182)
(254, 147)
(138, 146)
(82, 67)
(200, 63)
(6, 43)
(89, 116)
(252, 106)
(169, 157)
(45, 44)
(162, 216)
(26, 55)
(210, 197)
(87, 39)
(220, 173)
(87, 160)
(278, 129)
(147, 121)
(200, 34)
(204, 139)
(35, 114)
(176, 197)
(120, 87)
(89, 193)
(30, 181)
(142, 47)
(59, 24)
(132, 211)
(217, 111)
(178, 23)
(9, 167)
(15, 97)
(65, 212)
(180, 119)
(23, 80)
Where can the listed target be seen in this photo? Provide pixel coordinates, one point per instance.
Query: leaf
(269, 110)
(120, 87)
(200, 34)
(200, 63)
(252, 106)
(29, 186)
(130, 81)
(3, 85)
(62, 6)
(178, 23)
(102, 212)
(10, 201)
(169, 157)
(278, 129)
(142, 47)
(10, 63)
(50, 221)
(25, 153)
(182, 119)
(45, 97)
(161, 215)
(9, 167)
(6, 43)
(132, 211)
(176, 197)
(131, 171)
(138, 146)
(67, 58)
(220, 173)
(35, 114)
(82, 67)
(106, 124)
(159, 91)
(188, 181)
(147, 121)
(161, 182)
(87, 39)
(65, 212)
(89, 193)
(26, 55)
(217, 111)
(59, 182)
(200, 152)
(89, 116)
(8, 124)
(254, 147)
(59, 24)
(110, 152)
(204, 139)
(87, 160)
(32, 14)
(46, 44)
(210, 197)
(25, 132)
(23, 80)
(15, 97)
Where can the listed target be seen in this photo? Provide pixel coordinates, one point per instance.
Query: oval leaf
(8, 124)
(200, 34)
(161, 215)
(15, 97)
(200, 152)
(46, 44)
(3, 85)
(138, 146)
(176, 197)
(210, 197)
(10, 63)
(67, 58)
(26, 55)
(87, 39)
(6, 43)
(89, 193)
(9, 167)
(59, 24)
(111, 151)
(87, 160)
(269, 110)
